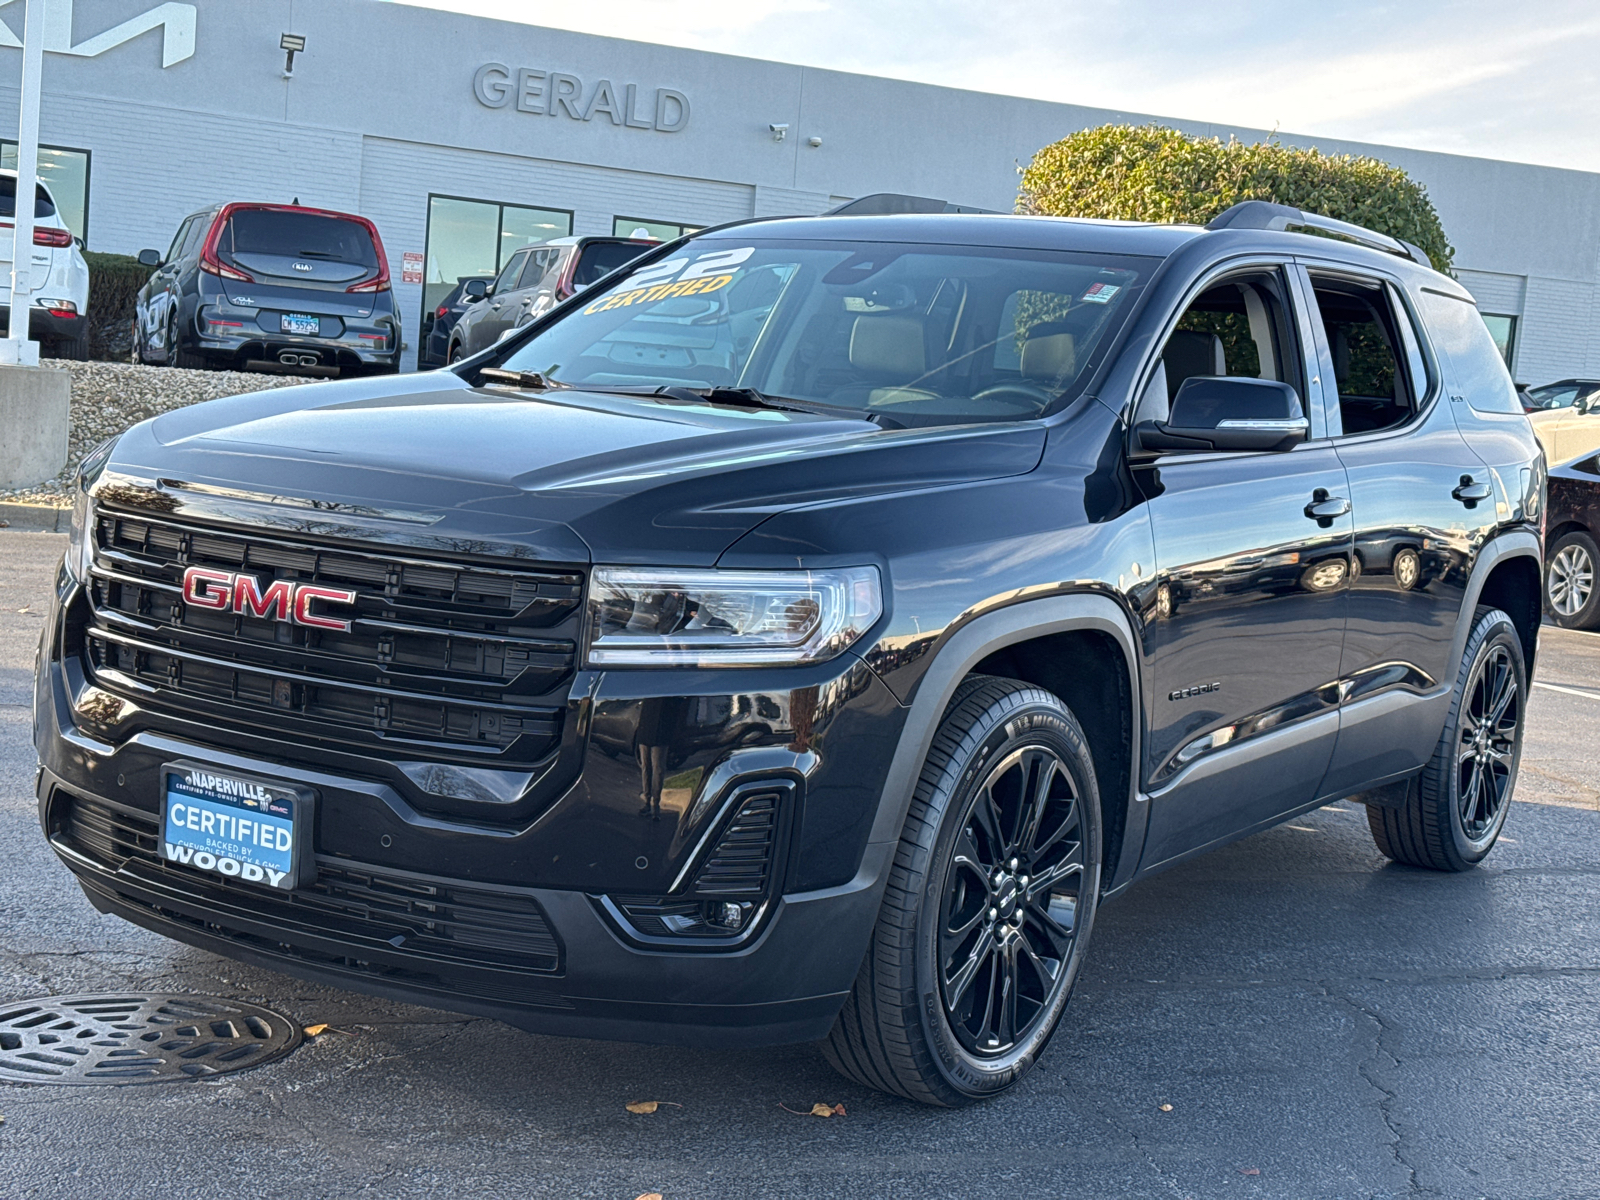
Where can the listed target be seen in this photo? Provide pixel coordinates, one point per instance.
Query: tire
(453, 355)
(1571, 589)
(73, 349)
(177, 356)
(1455, 809)
(911, 1025)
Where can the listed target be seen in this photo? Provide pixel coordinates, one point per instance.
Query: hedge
(114, 282)
(1153, 173)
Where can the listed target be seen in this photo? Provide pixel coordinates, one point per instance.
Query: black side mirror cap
(149, 258)
(1228, 412)
(474, 289)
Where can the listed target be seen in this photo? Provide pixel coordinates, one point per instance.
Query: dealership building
(465, 139)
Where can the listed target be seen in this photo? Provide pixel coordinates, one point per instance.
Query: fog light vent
(742, 858)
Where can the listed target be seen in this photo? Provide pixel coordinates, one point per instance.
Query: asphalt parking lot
(1321, 1023)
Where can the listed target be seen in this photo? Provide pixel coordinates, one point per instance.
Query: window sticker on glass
(675, 277)
(1100, 293)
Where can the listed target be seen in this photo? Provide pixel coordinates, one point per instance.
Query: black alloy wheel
(1008, 919)
(1452, 813)
(989, 906)
(1486, 744)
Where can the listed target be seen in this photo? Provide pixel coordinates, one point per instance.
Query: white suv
(59, 306)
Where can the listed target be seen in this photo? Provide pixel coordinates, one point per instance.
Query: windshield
(916, 331)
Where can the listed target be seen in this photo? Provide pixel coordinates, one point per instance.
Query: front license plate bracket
(237, 825)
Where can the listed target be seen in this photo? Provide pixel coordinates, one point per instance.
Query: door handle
(1324, 507)
(1470, 493)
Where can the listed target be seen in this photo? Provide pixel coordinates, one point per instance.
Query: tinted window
(599, 259)
(508, 274)
(298, 235)
(1363, 339)
(909, 329)
(198, 228)
(1480, 375)
(176, 248)
(534, 271)
(42, 207)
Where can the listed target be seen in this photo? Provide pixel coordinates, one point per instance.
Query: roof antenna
(296, 202)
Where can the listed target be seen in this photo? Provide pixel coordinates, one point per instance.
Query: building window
(475, 238)
(66, 173)
(661, 231)
(1504, 332)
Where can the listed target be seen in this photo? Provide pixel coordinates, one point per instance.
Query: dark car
(777, 642)
(1571, 555)
(534, 280)
(270, 287)
(437, 324)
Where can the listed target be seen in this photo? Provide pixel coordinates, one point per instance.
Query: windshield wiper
(744, 397)
(531, 380)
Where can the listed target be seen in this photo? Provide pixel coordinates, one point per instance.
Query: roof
(1025, 232)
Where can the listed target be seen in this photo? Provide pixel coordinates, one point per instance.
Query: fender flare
(970, 645)
(1515, 543)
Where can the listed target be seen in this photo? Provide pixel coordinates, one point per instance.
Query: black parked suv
(270, 287)
(799, 636)
(433, 349)
(534, 280)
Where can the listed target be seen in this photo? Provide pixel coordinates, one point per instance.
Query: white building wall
(380, 111)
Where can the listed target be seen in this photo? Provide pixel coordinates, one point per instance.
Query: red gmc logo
(284, 600)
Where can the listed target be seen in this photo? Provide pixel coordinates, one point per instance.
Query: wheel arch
(1045, 642)
(1508, 575)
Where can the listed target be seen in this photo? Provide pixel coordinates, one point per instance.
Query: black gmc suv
(801, 634)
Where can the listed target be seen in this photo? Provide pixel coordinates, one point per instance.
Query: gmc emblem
(284, 600)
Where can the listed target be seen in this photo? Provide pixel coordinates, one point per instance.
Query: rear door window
(1370, 366)
(1459, 332)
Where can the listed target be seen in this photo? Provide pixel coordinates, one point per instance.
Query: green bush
(114, 282)
(1152, 173)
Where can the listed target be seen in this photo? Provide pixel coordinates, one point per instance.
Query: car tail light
(44, 235)
(379, 283)
(442, 311)
(61, 308)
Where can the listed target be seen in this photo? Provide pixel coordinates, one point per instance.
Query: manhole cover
(137, 1038)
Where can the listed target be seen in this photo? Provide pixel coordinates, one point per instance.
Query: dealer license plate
(235, 825)
(298, 323)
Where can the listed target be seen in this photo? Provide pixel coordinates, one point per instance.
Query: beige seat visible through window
(888, 348)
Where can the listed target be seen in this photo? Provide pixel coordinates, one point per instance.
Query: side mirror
(149, 258)
(474, 289)
(1228, 412)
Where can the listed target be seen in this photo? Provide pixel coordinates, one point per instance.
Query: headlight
(80, 541)
(656, 617)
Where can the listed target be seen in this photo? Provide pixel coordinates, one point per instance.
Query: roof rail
(1263, 214)
(893, 202)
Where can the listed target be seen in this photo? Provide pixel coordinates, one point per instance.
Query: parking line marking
(1569, 691)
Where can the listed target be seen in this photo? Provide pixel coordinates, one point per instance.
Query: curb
(35, 516)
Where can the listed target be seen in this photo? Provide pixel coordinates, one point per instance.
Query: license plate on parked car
(299, 323)
(235, 825)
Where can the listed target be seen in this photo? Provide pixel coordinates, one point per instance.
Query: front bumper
(434, 911)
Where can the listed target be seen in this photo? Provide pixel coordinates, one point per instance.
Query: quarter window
(1503, 330)
(1479, 373)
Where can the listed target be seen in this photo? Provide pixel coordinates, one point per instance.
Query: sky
(1485, 77)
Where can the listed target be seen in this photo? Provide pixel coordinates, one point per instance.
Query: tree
(1153, 173)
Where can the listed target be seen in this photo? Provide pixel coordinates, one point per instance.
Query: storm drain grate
(132, 1038)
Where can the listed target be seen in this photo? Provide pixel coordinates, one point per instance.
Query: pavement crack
(1388, 1102)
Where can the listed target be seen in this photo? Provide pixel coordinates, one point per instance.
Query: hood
(561, 476)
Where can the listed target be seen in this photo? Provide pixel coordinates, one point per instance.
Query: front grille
(460, 661)
(404, 922)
